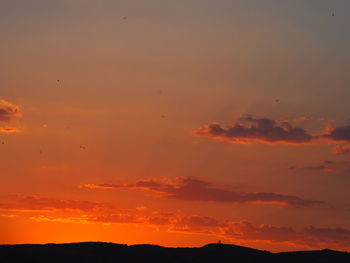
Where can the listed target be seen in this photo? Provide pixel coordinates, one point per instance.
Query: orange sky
(176, 123)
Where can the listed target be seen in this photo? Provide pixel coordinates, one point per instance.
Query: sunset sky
(176, 123)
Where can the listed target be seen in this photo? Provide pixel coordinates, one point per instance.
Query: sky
(176, 123)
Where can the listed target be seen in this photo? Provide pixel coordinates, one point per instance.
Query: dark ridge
(100, 252)
(230, 247)
(325, 255)
(147, 246)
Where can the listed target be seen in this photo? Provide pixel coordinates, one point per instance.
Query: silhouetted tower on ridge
(219, 242)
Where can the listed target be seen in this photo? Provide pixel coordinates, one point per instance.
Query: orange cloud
(8, 111)
(7, 129)
(327, 237)
(30, 203)
(168, 221)
(197, 190)
(237, 231)
(244, 230)
(342, 149)
(9, 216)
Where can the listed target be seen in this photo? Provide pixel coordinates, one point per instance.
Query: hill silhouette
(110, 252)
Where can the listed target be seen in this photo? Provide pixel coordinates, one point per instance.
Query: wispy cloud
(86, 212)
(244, 230)
(239, 232)
(192, 189)
(342, 149)
(321, 237)
(325, 166)
(30, 203)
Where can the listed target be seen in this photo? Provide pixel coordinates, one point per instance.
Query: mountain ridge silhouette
(112, 252)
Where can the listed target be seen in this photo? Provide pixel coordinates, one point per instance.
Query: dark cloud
(252, 130)
(339, 134)
(197, 190)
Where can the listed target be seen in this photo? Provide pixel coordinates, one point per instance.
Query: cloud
(168, 221)
(185, 223)
(239, 232)
(197, 190)
(306, 118)
(253, 130)
(342, 149)
(8, 216)
(339, 134)
(121, 217)
(29, 203)
(325, 166)
(312, 237)
(326, 236)
(8, 112)
(8, 129)
(244, 230)
(75, 220)
(337, 233)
